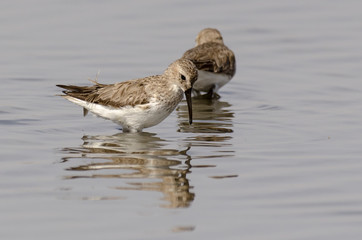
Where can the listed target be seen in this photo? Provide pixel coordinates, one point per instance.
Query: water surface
(278, 156)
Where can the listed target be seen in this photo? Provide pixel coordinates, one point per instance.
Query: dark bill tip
(189, 103)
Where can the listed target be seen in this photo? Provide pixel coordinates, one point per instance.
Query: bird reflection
(212, 129)
(140, 158)
(210, 115)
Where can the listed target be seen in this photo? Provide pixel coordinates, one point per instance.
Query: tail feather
(80, 94)
(80, 89)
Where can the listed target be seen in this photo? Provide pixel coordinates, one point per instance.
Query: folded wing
(113, 95)
(212, 57)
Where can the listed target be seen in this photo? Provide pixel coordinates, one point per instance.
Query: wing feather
(129, 93)
(212, 57)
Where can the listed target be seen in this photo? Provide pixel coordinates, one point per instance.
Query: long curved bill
(189, 103)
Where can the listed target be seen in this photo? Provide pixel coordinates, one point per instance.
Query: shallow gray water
(278, 156)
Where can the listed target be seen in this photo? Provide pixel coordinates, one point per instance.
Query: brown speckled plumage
(157, 94)
(130, 93)
(211, 55)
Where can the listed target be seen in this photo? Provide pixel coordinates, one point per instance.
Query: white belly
(208, 80)
(132, 119)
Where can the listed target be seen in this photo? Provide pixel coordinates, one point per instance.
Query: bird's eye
(183, 77)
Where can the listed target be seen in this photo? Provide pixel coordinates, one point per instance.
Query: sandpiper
(215, 62)
(139, 103)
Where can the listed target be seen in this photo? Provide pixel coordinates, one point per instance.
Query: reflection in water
(146, 162)
(140, 156)
(212, 128)
(210, 116)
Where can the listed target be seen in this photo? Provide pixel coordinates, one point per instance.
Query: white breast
(207, 80)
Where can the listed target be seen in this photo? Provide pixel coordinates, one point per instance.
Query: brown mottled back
(116, 95)
(212, 57)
